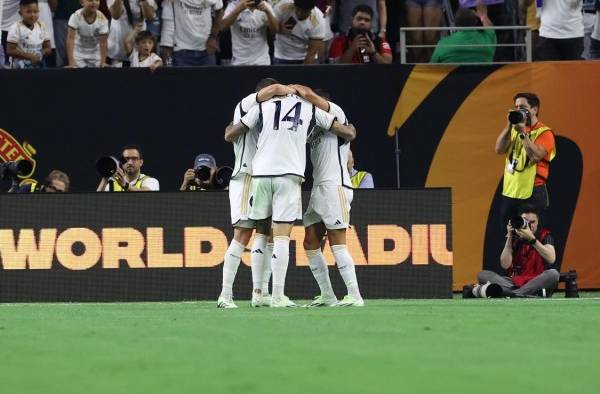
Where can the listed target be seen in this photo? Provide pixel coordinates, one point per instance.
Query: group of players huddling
(270, 131)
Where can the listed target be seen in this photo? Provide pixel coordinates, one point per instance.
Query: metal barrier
(527, 44)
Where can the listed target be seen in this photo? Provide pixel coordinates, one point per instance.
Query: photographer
(56, 182)
(529, 147)
(527, 257)
(127, 175)
(205, 175)
(360, 45)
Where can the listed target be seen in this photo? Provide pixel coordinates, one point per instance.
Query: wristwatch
(532, 241)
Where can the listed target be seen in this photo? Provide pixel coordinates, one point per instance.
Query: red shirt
(527, 262)
(341, 43)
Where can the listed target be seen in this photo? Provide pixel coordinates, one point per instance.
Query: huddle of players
(270, 131)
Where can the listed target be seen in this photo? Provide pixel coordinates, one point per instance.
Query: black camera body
(519, 116)
(519, 222)
(257, 2)
(354, 32)
(220, 180)
(570, 279)
(11, 170)
(107, 166)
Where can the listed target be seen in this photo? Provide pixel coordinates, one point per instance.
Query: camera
(519, 222)
(519, 116)
(354, 32)
(107, 166)
(11, 170)
(257, 2)
(485, 290)
(570, 279)
(202, 173)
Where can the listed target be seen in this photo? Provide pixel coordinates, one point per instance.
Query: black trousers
(559, 48)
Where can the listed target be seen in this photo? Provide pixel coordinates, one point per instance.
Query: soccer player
(278, 170)
(329, 206)
(244, 146)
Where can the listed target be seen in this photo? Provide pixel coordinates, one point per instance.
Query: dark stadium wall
(447, 119)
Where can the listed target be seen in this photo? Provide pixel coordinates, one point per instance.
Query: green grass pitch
(390, 346)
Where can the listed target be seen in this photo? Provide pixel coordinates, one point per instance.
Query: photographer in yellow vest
(529, 147)
(128, 176)
(359, 179)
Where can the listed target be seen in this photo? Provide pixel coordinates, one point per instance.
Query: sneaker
(225, 303)
(282, 302)
(322, 301)
(351, 301)
(259, 300)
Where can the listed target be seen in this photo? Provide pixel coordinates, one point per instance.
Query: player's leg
(287, 208)
(231, 262)
(261, 258)
(313, 237)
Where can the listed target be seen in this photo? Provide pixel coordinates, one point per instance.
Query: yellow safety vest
(519, 183)
(137, 184)
(357, 178)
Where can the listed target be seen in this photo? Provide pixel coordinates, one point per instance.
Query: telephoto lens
(107, 166)
(517, 116)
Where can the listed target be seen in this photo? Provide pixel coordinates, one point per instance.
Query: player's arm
(347, 132)
(309, 95)
(233, 131)
(271, 91)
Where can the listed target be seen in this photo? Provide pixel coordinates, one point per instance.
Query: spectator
(56, 182)
(9, 15)
(359, 179)
(47, 7)
(595, 37)
(64, 10)
(423, 13)
(87, 36)
(140, 47)
(301, 32)
(250, 25)
(28, 41)
(190, 32)
(529, 17)
(447, 52)
(360, 45)
(528, 146)
(561, 30)
(126, 14)
(345, 15)
(527, 257)
(128, 177)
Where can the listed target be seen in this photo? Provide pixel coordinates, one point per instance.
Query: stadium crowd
(132, 33)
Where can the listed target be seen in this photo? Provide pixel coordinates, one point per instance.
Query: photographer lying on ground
(527, 257)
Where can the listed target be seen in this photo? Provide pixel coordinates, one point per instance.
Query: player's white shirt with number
(329, 154)
(28, 40)
(249, 35)
(294, 46)
(286, 124)
(87, 38)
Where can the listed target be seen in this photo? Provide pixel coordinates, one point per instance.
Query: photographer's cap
(204, 160)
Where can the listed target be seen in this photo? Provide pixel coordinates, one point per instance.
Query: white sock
(267, 268)
(279, 264)
(345, 265)
(319, 269)
(259, 252)
(230, 267)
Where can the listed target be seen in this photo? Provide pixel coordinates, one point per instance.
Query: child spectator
(88, 36)
(140, 46)
(28, 41)
(125, 15)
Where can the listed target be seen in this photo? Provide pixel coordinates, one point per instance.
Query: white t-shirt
(190, 25)
(561, 19)
(120, 28)
(87, 39)
(9, 13)
(134, 58)
(249, 36)
(46, 19)
(28, 40)
(244, 147)
(294, 46)
(286, 124)
(148, 182)
(596, 31)
(329, 154)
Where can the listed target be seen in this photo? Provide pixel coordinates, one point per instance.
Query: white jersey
(87, 39)
(249, 35)
(28, 40)
(329, 154)
(187, 23)
(244, 147)
(286, 123)
(561, 19)
(9, 13)
(294, 46)
(134, 58)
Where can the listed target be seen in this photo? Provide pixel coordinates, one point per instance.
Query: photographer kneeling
(206, 175)
(527, 257)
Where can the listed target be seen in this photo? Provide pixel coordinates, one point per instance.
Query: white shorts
(329, 204)
(277, 197)
(240, 188)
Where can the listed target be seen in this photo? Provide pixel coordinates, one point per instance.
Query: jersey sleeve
(338, 112)
(229, 9)
(13, 34)
(323, 119)
(73, 21)
(104, 25)
(317, 31)
(251, 118)
(248, 102)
